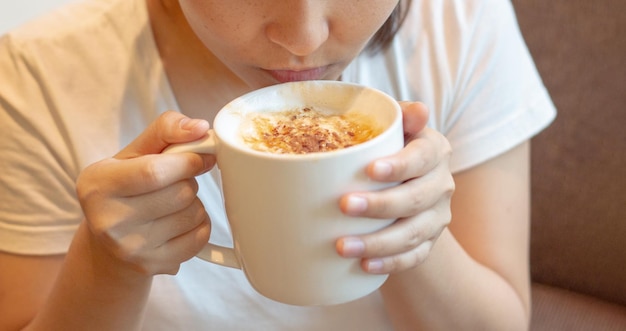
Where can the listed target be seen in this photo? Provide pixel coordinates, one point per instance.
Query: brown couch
(578, 241)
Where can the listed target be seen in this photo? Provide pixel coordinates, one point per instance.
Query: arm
(68, 292)
(25, 282)
(93, 289)
(476, 276)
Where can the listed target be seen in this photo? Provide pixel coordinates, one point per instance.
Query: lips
(284, 76)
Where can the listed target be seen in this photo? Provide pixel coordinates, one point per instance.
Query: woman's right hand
(141, 205)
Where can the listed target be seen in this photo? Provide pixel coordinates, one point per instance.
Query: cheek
(363, 21)
(214, 22)
(379, 16)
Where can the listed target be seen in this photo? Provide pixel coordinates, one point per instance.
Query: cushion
(578, 238)
(558, 309)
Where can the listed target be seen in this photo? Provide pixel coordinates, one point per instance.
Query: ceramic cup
(283, 210)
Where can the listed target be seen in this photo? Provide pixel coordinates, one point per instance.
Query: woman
(84, 99)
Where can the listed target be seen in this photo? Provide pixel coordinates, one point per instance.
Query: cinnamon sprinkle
(307, 130)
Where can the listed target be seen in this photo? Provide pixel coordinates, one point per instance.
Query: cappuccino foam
(306, 130)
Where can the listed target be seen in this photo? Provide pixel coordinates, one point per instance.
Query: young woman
(98, 230)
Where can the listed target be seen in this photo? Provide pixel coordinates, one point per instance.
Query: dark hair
(383, 37)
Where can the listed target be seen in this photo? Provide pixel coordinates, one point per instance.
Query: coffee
(306, 130)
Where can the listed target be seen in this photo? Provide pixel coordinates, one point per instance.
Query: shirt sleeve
(497, 99)
(39, 211)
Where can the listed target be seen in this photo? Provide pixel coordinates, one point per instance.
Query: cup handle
(205, 145)
(224, 256)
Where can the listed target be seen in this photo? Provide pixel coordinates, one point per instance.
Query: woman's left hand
(420, 205)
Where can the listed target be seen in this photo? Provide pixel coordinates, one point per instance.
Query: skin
(457, 263)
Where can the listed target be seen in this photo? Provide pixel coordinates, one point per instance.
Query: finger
(404, 244)
(169, 128)
(167, 257)
(403, 235)
(174, 225)
(145, 208)
(114, 217)
(400, 262)
(414, 117)
(141, 175)
(420, 156)
(180, 249)
(410, 198)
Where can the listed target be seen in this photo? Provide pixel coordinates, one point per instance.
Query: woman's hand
(421, 204)
(141, 206)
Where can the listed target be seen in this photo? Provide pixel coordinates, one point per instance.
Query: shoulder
(93, 35)
(85, 63)
(468, 62)
(460, 8)
(455, 19)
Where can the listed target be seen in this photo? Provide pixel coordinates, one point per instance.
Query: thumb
(414, 117)
(169, 128)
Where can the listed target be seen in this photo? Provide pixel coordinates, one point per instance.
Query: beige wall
(15, 12)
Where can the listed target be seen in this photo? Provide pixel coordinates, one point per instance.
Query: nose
(301, 29)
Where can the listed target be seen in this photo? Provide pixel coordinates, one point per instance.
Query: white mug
(283, 209)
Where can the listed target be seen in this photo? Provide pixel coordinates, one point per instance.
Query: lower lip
(284, 76)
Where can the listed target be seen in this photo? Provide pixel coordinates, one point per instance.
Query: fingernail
(375, 265)
(382, 169)
(352, 247)
(356, 204)
(190, 123)
(207, 165)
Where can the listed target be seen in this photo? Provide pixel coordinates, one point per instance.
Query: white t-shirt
(80, 83)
